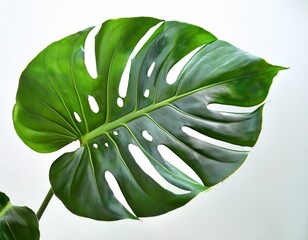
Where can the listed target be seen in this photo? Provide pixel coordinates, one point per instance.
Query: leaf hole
(89, 52)
(195, 134)
(177, 162)
(120, 102)
(117, 192)
(106, 145)
(145, 164)
(176, 69)
(95, 145)
(115, 133)
(150, 71)
(93, 104)
(147, 135)
(146, 93)
(123, 86)
(230, 108)
(77, 117)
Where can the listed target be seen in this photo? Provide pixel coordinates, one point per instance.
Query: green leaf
(17, 223)
(52, 109)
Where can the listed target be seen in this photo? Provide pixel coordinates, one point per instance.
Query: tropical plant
(158, 116)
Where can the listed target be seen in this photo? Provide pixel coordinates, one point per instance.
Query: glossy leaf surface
(53, 109)
(17, 223)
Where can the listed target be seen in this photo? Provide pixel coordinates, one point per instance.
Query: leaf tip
(279, 68)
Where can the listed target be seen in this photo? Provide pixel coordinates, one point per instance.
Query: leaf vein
(61, 98)
(182, 143)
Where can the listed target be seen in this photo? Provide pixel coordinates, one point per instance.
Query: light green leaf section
(17, 223)
(55, 87)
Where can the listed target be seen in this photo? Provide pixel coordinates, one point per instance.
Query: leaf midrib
(103, 129)
(5, 209)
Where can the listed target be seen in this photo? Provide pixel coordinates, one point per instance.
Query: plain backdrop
(266, 199)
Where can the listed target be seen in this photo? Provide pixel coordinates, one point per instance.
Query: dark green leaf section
(56, 86)
(17, 223)
(85, 170)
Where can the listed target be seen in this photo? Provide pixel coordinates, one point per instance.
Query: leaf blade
(218, 73)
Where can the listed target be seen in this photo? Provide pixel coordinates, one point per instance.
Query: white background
(266, 199)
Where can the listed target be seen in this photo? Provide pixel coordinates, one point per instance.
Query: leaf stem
(44, 204)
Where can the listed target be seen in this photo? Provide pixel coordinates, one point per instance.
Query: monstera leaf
(59, 102)
(18, 223)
